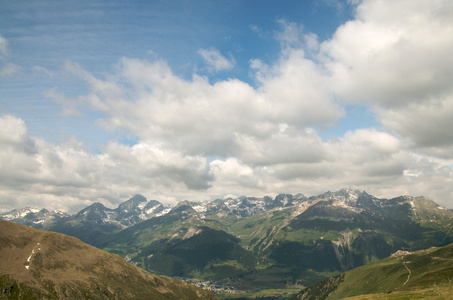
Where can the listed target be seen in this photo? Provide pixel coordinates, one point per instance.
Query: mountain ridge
(42, 264)
(404, 275)
(138, 208)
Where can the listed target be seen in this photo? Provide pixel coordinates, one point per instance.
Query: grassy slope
(61, 267)
(211, 253)
(431, 273)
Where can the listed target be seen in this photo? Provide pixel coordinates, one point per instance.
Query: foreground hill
(425, 274)
(38, 264)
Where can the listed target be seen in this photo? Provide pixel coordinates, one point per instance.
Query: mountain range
(280, 242)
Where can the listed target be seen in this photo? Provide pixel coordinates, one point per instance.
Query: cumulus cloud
(426, 126)
(215, 61)
(396, 57)
(297, 92)
(393, 54)
(226, 119)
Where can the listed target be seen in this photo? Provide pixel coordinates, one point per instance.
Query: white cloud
(67, 175)
(215, 61)
(291, 35)
(3, 46)
(286, 146)
(10, 70)
(260, 32)
(226, 119)
(297, 92)
(43, 70)
(12, 130)
(7, 68)
(394, 53)
(426, 126)
(368, 156)
(396, 57)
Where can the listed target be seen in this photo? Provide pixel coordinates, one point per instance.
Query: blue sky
(202, 99)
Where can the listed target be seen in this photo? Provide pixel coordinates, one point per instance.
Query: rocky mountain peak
(184, 206)
(19, 213)
(131, 208)
(132, 204)
(96, 207)
(96, 213)
(33, 217)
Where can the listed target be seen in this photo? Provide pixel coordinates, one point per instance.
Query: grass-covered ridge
(38, 264)
(421, 274)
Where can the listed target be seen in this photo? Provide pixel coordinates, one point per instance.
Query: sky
(207, 99)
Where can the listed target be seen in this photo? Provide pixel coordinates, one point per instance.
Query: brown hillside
(37, 264)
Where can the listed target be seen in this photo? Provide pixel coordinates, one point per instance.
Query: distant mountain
(424, 274)
(38, 264)
(34, 217)
(286, 241)
(91, 222)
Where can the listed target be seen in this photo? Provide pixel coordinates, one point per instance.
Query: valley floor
(274, 294)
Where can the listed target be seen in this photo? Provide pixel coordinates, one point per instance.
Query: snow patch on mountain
(20, 213)
(200, 208)
(27, 263)
(163, 212)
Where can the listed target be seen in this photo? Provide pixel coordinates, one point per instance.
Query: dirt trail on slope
(405, 265)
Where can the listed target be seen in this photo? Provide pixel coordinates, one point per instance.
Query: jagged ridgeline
(289, 240)
(37, 264)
